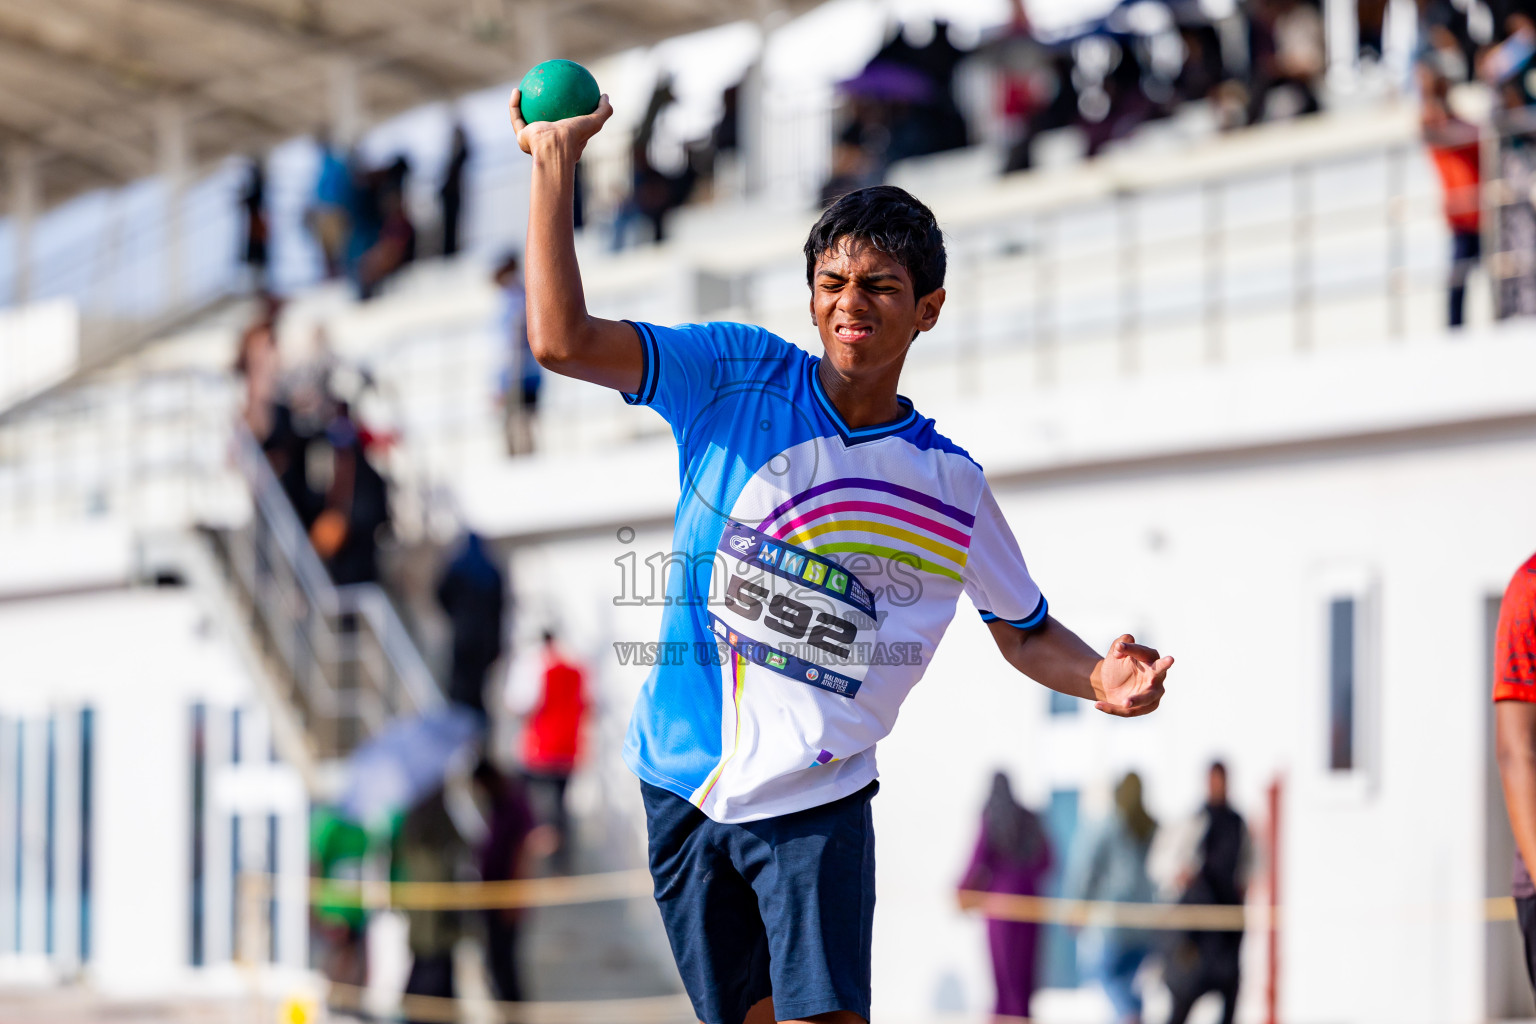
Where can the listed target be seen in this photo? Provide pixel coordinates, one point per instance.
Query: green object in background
(557, 89)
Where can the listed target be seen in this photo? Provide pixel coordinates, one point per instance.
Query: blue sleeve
(686, 366)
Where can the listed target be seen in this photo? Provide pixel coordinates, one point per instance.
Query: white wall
(140, 659)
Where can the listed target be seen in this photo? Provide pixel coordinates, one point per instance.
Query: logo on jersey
(806, 569)
(776, 660)
(812, 674)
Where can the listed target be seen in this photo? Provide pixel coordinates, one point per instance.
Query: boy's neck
(861, 402)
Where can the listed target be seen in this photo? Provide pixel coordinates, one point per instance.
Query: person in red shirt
(552, 741)
(1514, 693)
(1453, 146)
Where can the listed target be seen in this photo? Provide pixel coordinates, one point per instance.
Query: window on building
(1064, 704)
(87, 758)
(50, 836)
(1342, 684)
(199, 752)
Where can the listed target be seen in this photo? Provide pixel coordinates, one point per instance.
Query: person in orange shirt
(1514, 693)
(1453, 146)
(552, 742)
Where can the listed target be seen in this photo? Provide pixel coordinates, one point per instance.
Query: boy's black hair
(893, 221)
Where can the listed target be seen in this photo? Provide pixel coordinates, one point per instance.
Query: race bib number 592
(794, 613)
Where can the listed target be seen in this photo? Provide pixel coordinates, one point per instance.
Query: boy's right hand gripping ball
(557, 89)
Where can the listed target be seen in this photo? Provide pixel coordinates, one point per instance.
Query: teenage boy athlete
(824, 535)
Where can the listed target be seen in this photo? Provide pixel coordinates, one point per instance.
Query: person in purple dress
(1012, 856)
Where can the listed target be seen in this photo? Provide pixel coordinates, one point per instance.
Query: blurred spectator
(1012, 855)
(287, 447)
(512, 843)
(523, 377)
(282, 432)
(253, 205)
(850, 171)
(1034, 87)
(356, 507)
(338, 849)
(1446, 40)
(902, 104)
(1288, 55)
(471, 592)
(1370, 20)
(451, 193)
(1214, 870)
(364, 217)
(428, 849)
(1506, 67)
(552, 740)
(256, 362)
(654, 194)
(1112, 865)
(1120, 104)
(328, 214)
(395, 244)
(1203, 70)
(1453, 145)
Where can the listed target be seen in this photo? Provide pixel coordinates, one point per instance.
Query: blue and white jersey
(815, 569)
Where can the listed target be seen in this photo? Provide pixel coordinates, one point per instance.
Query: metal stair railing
(350, 662)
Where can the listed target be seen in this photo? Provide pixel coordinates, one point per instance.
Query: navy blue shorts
(783, 906)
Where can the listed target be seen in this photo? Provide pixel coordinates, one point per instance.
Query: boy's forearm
(557, 306)
(1054, 657)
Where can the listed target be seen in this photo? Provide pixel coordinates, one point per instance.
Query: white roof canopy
(99, 92)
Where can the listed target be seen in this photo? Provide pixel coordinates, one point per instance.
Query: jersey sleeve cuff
(1506, 689)
(650, 358)
(1033, 620)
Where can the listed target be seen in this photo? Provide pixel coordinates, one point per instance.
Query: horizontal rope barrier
(1203, 917)
(440, 1010)
(505, 895)
(636, 883)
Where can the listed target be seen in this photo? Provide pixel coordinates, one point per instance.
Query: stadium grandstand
(1246, 345)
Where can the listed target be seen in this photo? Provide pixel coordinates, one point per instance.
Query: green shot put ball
(557, 89)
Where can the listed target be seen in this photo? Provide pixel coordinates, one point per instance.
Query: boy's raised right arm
(562, 335)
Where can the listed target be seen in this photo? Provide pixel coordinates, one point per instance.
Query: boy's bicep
(612, 356)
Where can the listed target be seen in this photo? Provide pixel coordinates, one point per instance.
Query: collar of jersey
(861, 434)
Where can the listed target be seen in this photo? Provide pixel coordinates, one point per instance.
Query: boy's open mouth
(853, 332)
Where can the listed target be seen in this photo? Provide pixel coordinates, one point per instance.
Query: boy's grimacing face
(865, 308)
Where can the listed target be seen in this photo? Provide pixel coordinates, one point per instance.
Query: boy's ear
(928, 307)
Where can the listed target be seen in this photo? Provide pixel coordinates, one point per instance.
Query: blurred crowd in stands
(358, 215)
(1214, 64)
